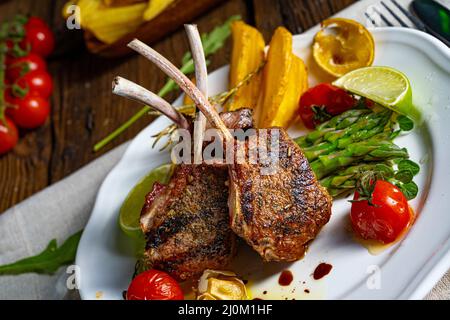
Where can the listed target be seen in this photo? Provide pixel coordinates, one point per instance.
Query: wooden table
(83, 108)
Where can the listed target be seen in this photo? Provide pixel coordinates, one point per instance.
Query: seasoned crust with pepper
(278, 214)
(186, 223)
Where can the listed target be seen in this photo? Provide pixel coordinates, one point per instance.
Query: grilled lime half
(130, 211)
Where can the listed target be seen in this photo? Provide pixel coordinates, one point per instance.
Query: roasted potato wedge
(284, 80)
(155, 7)
(109, 24)
(246, 56)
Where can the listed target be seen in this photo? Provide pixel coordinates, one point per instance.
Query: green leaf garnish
(410, 189)
(48, 261)
(404, 176)
(409, 165)
(405, 123)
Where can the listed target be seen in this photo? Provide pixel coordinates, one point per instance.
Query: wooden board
(83, 108)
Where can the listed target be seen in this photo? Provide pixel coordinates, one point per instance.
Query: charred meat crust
(189, 230)
(186, 223)
(278, 214)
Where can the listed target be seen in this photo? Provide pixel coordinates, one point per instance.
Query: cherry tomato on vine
(39, 82)
(29, 63)
(39, 38)
(322, 101)
(8, 135)
(30, 111)
(10, 99)
(386, 218)
(34, 22)
(154, 285)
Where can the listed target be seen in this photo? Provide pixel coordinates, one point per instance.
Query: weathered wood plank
(83, 108)
(25, 171)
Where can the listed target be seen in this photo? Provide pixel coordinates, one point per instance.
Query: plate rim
(435, 268)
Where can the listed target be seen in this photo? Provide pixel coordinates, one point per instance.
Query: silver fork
(416, 22)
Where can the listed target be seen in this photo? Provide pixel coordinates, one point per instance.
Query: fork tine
(383, 17)
(396, 17)
(411, 17)
(370, 19)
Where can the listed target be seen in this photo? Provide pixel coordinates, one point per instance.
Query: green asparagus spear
(367, 127)
(338, 122)
(371, 150)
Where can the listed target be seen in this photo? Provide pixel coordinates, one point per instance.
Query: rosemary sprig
(220, 99)
(212, 42)
(169, 130)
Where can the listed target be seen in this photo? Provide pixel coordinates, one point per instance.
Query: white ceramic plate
(408, 269)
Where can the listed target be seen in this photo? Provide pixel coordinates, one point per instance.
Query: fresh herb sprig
(220, 99)
(212, 42)
(48, 261)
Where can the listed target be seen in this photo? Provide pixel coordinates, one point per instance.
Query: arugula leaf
(409, 165)
(48, 261)
(410, 189)
(405, 123)
(404, 176)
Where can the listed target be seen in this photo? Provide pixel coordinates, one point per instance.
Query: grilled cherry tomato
(30, 111)
(8, 135)
(39, 82)
(38, 37)
(386, 218)
(154, 285)
(321, 102)
(19, 66)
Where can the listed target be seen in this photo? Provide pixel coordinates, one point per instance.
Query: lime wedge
(130, 211)
(383, 85)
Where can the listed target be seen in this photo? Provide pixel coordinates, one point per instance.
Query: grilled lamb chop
(278, 214)
(186, 223)
(187, 226)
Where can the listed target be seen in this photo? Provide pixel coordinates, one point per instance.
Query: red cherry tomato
(31, 62)
(39, 38)
(38, 81)
(8, 135)
(386, 219)
(9, 97)
(323, 97)
(30, 111)
(34, 22)
(154, 285)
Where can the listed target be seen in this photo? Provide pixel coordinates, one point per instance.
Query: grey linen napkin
(56, 212)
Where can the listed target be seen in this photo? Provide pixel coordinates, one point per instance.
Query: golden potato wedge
(155, 7)
(246, 56)
(121, 3)
(282, 115)
(284, 80)
(109, 24)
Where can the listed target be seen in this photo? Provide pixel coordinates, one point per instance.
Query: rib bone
(131, 90)
(188, 87)
(201, 77)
